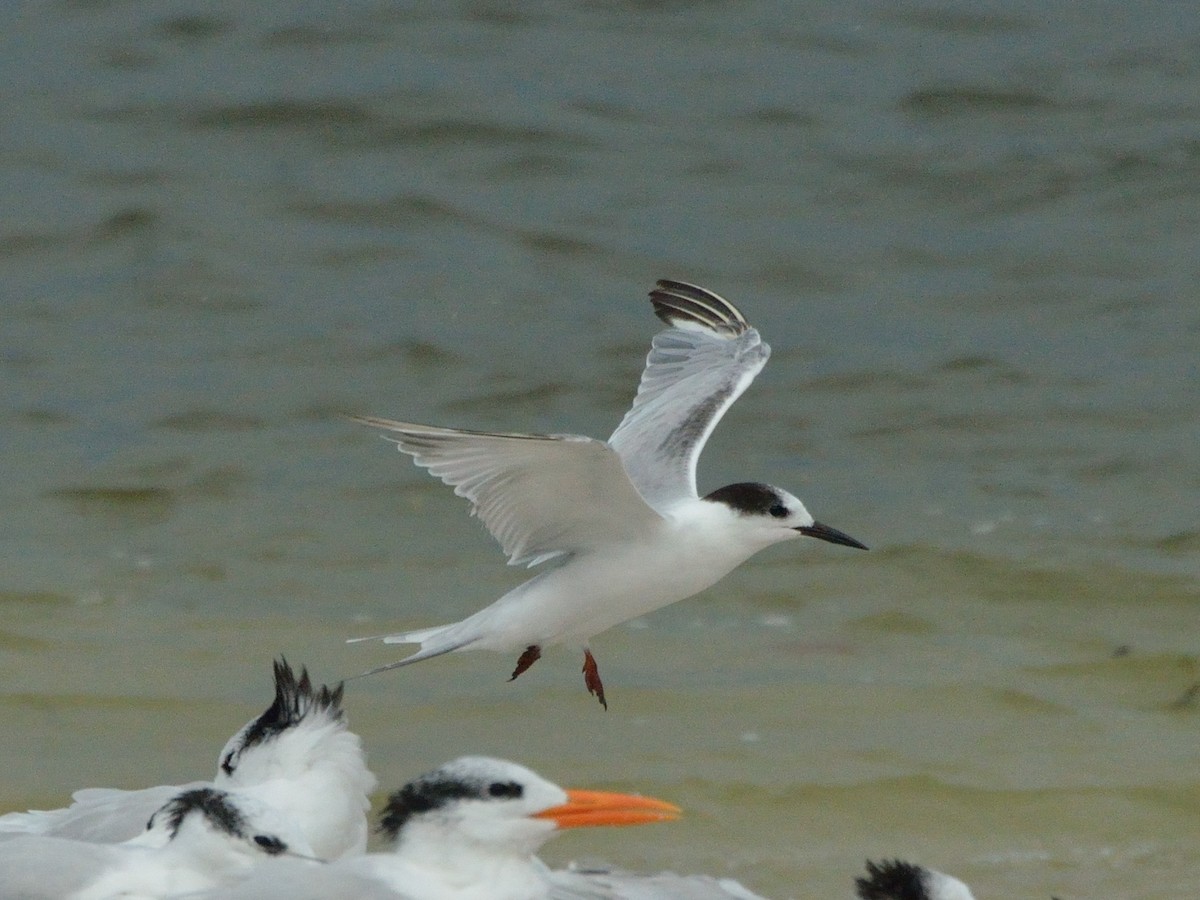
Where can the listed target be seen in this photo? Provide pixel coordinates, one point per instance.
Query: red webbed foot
(531, 655)
(591, 677)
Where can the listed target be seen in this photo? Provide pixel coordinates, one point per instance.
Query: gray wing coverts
(540, 496)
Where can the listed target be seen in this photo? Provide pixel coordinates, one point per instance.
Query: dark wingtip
(677, 301)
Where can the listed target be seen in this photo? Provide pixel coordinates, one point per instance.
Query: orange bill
(584, 809)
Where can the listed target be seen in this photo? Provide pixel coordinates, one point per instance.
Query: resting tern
(298, 756)
(621, 518)
(465, 831)
(208, 837)
(899, 880)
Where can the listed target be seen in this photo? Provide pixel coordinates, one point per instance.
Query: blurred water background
(971, 232)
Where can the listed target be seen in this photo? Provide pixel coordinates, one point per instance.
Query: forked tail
(433, 641)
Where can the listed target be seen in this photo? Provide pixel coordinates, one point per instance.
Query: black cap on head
(748, 497)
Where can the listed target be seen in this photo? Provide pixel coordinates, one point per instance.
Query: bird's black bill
(825, 533)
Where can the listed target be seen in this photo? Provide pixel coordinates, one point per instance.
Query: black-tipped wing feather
(695, 371)
(678, 303)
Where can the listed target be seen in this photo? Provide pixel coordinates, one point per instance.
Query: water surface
(969, 232)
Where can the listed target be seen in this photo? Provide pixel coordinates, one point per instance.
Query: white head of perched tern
(898, 880)
(298, 757)
(621, 518)
(466, 831)
(208, 838)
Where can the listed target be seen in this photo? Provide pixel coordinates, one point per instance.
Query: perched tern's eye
(270, 843)
(508, 789)
(779, 511)
(227, 763)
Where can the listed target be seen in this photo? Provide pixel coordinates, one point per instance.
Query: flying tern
(466, 831)
(298, 757)
(899, 880)
(621, 520)
(200, 839)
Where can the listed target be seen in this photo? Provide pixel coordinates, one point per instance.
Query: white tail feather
(439, 641)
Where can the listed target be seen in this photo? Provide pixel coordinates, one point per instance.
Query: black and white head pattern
(295, 701)
(775, 513)
(898, 880)
(463, 779)
(753, 498)
(219, 812)
(471, 787)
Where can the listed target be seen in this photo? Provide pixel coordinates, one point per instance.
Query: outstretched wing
(96, 815)
(696, 369)
(540, 496)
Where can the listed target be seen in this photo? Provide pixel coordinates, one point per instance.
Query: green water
(970, 235)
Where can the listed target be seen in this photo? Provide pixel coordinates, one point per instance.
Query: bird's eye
(227, 763)
(271, 844)
(505, 789)
(779, 511)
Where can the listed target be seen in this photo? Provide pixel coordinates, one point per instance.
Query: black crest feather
(892, 880)
(295, 699)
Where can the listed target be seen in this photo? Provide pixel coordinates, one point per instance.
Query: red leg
(591, 677)
(531, 655)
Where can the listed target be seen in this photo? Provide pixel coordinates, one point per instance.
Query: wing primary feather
(677, 302)
(435, 435)
(540, 496)
(696, 368)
